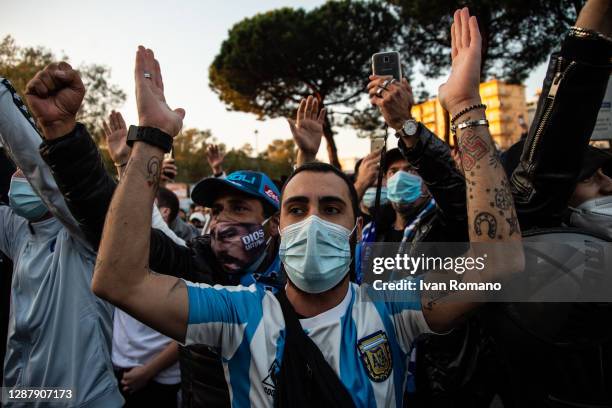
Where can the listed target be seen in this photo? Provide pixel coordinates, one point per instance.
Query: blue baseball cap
(253, 183)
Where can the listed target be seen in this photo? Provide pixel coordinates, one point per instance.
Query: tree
(190, 154)
(517, 35)
(272, 60)
(20, 64)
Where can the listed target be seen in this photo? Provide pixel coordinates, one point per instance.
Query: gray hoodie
(59, 332)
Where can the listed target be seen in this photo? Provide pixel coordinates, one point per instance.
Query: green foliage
(190, 155)
(518, 35)
(271, 60)
(20, 64)
(101, 97)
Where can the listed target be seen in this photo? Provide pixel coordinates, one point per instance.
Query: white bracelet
(469, 123)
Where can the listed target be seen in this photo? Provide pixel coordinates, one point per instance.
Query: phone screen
(376, 143)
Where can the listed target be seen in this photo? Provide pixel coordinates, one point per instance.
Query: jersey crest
(376, 356)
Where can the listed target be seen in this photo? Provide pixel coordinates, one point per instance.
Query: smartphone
(387, 63)
(376, 143)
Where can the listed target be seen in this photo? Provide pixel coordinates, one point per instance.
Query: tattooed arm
(122, 275)
(491, 214)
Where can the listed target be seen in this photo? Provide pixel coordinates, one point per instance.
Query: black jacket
(578, 370)
(81, 177)
(552, 157)
(432, 159)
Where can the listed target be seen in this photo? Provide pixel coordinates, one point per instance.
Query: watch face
(410, 128)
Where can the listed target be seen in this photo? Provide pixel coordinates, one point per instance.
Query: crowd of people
(255, 295)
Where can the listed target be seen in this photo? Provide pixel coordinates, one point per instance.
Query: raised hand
(152, 108)
(368, 172)
(394, 101)
(115, 133)
(307, 128)
(54, 96)
(461, 88)
(215, 158)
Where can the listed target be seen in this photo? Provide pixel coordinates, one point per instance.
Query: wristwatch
(151, 136)
(410, 128)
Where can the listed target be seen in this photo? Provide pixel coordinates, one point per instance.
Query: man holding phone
(430, 160)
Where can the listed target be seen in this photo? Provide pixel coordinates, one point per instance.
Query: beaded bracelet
(468, 109)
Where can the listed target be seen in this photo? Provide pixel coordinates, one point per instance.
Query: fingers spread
(301, 109)
(308, 110)
(315, 108)
(291, 123)
(321, 118)
(120, 120)
(106, 129)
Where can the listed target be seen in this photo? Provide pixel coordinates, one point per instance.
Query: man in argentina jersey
(366, 343)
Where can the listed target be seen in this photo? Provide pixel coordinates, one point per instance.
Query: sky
(185, 37)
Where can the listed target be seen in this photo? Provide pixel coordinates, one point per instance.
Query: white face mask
(594, 215)
(316, 253)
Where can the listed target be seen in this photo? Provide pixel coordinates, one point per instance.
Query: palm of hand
(307, 134)
(215, 160)
(463, 83)
(465, 75)
(153, 110)
(117, 147)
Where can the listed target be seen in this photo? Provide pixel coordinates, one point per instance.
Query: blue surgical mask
(24, 201)
(316, 254)
(369, 198)
(404, 188)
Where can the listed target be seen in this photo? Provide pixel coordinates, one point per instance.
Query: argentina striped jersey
(367, 343)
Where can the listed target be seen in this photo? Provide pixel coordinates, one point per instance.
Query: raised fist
(55, 95)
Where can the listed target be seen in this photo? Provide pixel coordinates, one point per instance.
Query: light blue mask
(316, 254)
(404, 188)
(24, 201)
(369, 198)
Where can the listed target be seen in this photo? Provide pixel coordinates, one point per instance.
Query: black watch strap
(149, 135)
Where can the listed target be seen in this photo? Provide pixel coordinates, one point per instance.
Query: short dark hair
(166, 198)
(318, 167)
(392, 156)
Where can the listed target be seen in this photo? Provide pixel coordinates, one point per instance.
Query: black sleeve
(81, 177)
(88, 189)
(432, 159)
(169, 258)
(552, 156)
